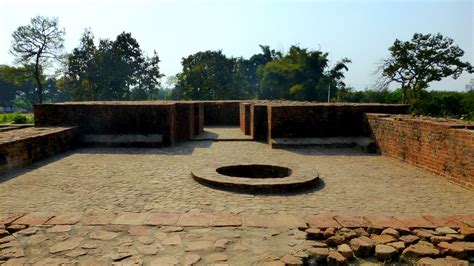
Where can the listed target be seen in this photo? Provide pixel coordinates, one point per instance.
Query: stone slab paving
(129, 239)
(220, 133)
(158, 180)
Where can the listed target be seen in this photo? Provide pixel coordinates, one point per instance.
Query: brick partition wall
(22, 147)
(443, 147)
(323, 120)
(223, 113)
(259, 122)
(245, 117)
(112, 117)
(185, 124)
(198, 118)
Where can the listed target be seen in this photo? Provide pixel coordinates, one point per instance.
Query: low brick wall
(244, 109)
(112, 117)
(198, 118)
(259, 122)
(185, 124)
(222, 113)
(22, 147)
(443, 147)
(324, 120)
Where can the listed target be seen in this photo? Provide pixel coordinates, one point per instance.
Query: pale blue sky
(359, 30)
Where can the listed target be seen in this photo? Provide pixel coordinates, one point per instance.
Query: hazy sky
(359, 30)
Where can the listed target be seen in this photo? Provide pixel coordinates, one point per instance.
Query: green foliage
(18, 88)
(423, 59)
(210, 75)
(301, 74)
(450, 104)
(16, 118)
(115, 70)
(37, 44)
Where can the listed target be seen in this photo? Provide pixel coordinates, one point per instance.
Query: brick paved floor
(158, 180)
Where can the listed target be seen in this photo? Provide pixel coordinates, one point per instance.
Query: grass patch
(16, 118)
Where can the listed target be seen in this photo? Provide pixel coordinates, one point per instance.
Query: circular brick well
(257, 178)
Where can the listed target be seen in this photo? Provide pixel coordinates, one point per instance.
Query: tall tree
(206, 76)
(115, 70)
(423, 59)
(301, 74)
(38, 43)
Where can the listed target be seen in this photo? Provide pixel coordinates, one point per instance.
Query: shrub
(19, 119)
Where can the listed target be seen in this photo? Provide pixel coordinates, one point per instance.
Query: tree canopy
(423, 59)
(38, 44)
(300, 75)
(115, 70)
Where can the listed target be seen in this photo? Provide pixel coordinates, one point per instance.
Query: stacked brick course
(443, 147)
(22, 147)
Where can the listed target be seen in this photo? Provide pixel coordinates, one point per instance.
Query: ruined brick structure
(443, 148)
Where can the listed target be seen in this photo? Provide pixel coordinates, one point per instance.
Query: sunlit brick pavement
(96, 206)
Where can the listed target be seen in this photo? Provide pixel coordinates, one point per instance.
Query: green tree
(206, 76)
(115, 70)
(423, 59)
(301, 74)
(37, 44)
(82, 69)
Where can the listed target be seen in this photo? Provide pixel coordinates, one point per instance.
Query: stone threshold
(195, 219)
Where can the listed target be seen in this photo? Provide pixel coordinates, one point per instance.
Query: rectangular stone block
(162, 219)
(66, 218)
(131, 218)
(34, 218)
(322, 221)
(194, 219)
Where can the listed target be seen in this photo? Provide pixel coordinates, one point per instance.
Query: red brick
(194, 219)
(8, 218)
(287, 220)
(322, 221)
(415, 222)
(66, 218)
(225, 219)
(254, 220)
(439, 221)
(162, 219)
(34, 218)
(385, 222)
(467, 219)
(131, 218)
(98, 219)
(351, 221)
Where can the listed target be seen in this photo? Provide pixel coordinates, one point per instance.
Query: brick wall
(245, 117)
(323, 120)
(223, 113)
(112, 117)
(259, 122)
(445, 148)
(32, 144)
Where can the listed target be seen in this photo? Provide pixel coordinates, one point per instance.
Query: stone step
(365, 143)
(121, 140)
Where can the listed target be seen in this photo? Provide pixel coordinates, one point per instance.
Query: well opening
(255, 171)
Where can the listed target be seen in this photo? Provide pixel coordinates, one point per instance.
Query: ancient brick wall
(112, 117)
(259, 122)
(445, 148)
(324, 120)
(244, 109)
(185, 124)
(32, 144)
(223, 113)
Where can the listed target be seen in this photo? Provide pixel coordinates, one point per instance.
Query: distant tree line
(120, 70)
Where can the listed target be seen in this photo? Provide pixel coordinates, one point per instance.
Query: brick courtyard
(136, 205)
